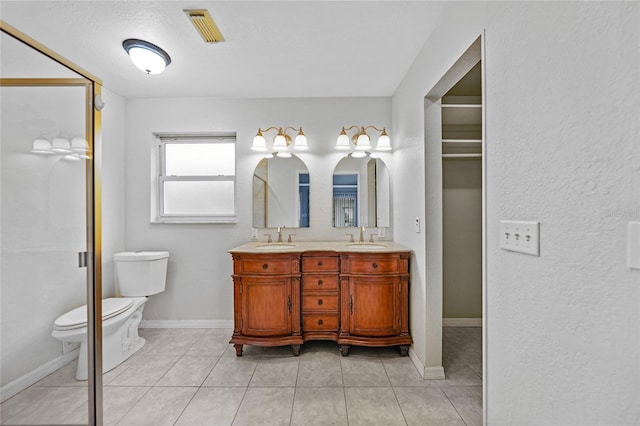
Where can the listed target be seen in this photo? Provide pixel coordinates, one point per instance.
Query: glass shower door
(46, 223)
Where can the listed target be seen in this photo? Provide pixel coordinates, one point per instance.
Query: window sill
(188, 220)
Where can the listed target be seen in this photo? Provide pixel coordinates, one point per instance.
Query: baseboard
(462, 322)
(186, 324)
(427, 373)
(34, 376)
(434, 373)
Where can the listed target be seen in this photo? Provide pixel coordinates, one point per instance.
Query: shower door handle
(82, 259)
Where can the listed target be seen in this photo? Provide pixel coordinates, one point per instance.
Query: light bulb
(259, 144)
(342, 143)
(284, 154)
(61, 146)
(363, 142)
(358, 154)
(301, 143)
(384, 143)
(280, 142)
(42, 146)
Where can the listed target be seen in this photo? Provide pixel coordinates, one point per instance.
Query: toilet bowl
(140, 274)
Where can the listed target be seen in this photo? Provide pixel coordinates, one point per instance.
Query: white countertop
(302, 246)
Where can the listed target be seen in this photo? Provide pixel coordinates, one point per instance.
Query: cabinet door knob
(320, 282)
(320, 263)
(265, 266)
(319, 301)
(375, 265)
(320, 322)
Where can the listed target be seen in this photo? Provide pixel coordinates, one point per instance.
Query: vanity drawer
(267, 265)
(376, 265)
(319, 302)
(319, 322)
(319, 282)
(320, 263)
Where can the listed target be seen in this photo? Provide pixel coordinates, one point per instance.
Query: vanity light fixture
(281, 142)
(361, 139)
(146, 56)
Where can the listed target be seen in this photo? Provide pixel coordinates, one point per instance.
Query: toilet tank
(141, 273)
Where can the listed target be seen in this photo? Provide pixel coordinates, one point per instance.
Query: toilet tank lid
(136, 256)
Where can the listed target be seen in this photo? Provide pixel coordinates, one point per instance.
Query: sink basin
(276, 246)
(366, 246)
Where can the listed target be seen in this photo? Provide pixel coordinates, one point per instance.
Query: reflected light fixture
(77, 149)
(146, 56)
(361, 140)
(281, 141)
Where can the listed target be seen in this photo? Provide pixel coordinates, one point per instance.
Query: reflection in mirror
(361, 193)
(281, 193)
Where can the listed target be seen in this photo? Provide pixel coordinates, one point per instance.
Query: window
(195, 180)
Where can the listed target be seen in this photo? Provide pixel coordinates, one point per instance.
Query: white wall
(562, 101)
(199, 286)
(113, 186)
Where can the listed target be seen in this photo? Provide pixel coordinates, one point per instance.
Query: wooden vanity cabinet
(266, 300)
(320, 295)
(351, 297)
(375, 300)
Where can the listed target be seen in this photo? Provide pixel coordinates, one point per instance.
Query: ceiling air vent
(205, 25)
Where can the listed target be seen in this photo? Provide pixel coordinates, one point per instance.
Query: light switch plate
(254, 233)
(633, 245)
(417, 225)
(522, 237)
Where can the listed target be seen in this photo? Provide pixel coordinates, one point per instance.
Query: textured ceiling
(272, 49)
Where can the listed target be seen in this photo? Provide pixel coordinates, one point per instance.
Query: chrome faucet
(361, 238)
(280, 228)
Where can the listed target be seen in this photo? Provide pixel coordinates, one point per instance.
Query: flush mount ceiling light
(281, 142)
(361, 139)
(146, 56)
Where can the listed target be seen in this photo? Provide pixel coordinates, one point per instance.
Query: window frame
(159, 178)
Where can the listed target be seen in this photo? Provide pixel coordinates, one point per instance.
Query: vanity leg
(238, 349)
(344, 350)
(404, 350)
(296, 350)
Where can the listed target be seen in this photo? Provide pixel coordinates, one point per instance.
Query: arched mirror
(361, 193)
(281, 193)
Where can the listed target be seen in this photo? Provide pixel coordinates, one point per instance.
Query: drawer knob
(320, 282)
(320, 263)
(265, 266)
(375, 265)
(320, 322)
(319, 301)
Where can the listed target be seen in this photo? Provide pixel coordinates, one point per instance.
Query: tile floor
(192, 377)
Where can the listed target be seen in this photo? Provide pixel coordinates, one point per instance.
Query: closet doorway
(455, 159)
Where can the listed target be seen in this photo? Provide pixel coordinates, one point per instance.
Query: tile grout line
(394, 391)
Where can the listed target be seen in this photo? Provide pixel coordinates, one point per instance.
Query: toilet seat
(77, 318)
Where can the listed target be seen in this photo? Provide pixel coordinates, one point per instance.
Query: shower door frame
(93, 126)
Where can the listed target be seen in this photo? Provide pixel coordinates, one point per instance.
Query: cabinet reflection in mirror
(281, 193)
(361, 193)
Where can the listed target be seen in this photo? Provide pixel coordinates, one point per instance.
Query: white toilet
(140, 274)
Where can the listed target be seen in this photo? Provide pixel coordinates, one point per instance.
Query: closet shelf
(461, 140)
(461, 156)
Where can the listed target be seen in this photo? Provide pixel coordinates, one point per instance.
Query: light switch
(522, 237)
(417, 225)
(633, 245)
(254, 233)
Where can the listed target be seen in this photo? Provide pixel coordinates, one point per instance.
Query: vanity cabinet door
(266, 306)
(374, 306)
